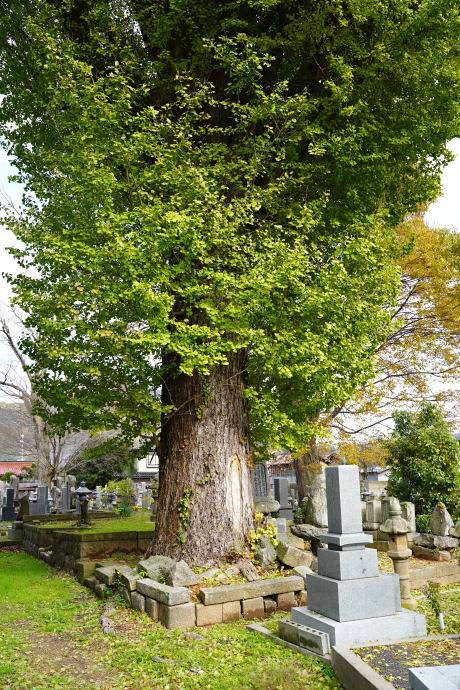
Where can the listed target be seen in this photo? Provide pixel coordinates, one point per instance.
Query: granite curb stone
(179, 616)
(171, 596)
(250, 590)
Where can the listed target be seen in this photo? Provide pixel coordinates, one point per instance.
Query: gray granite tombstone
(373, 515)
(282, 496)
(8, 511)
(42, 500)
(65, 498)
(348, 599)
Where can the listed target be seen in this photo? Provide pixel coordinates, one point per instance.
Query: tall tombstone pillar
(348, 599)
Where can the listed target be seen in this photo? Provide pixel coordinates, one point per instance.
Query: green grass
(49, 627)
(138, 522)
(450, 606)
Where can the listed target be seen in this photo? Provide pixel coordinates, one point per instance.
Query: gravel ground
(393, 661)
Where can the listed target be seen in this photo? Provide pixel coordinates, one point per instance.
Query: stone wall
(65, 516)
(444, 573)
(61, 548)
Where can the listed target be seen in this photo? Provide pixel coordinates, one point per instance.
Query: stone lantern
(82, 494)
(397, 528)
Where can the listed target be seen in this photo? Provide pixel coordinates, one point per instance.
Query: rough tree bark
(205, 499)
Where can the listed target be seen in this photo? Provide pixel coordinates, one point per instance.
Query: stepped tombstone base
(349, 600)
(400, 625)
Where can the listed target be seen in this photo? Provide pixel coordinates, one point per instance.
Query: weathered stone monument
(316, 502)
(263, 500)
(72, 481)
(261, 482)
(14, 484)
(348, 599)
(24, 507)
(440, 521)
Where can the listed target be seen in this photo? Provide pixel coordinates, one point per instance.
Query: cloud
(445, 212)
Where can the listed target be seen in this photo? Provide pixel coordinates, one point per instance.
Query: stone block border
(172, 605)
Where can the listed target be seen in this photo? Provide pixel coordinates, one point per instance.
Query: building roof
(283, 457)
(15, 467)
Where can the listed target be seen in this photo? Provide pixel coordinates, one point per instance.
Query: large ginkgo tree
(211, 192)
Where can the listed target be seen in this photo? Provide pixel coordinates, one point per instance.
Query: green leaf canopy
(211, 177)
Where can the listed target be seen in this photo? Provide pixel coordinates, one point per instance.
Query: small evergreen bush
(424, 461)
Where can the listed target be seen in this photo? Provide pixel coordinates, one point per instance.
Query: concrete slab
(402, 624)
(262, 630)
(435, 678)
(354, 674)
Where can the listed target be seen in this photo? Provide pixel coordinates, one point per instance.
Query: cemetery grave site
(231, 355)
(344, 583)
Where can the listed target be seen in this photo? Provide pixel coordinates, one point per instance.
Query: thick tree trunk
(306, 467)
(205, 500)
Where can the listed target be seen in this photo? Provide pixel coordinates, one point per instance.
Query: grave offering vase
(397, 528)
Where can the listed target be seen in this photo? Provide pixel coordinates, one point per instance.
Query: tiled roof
(15, 467)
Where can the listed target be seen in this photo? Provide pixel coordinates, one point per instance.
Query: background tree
(423, 458)
(216, 187)
(419, 360)
(98, 463)
(30, 434)
(18, 382)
